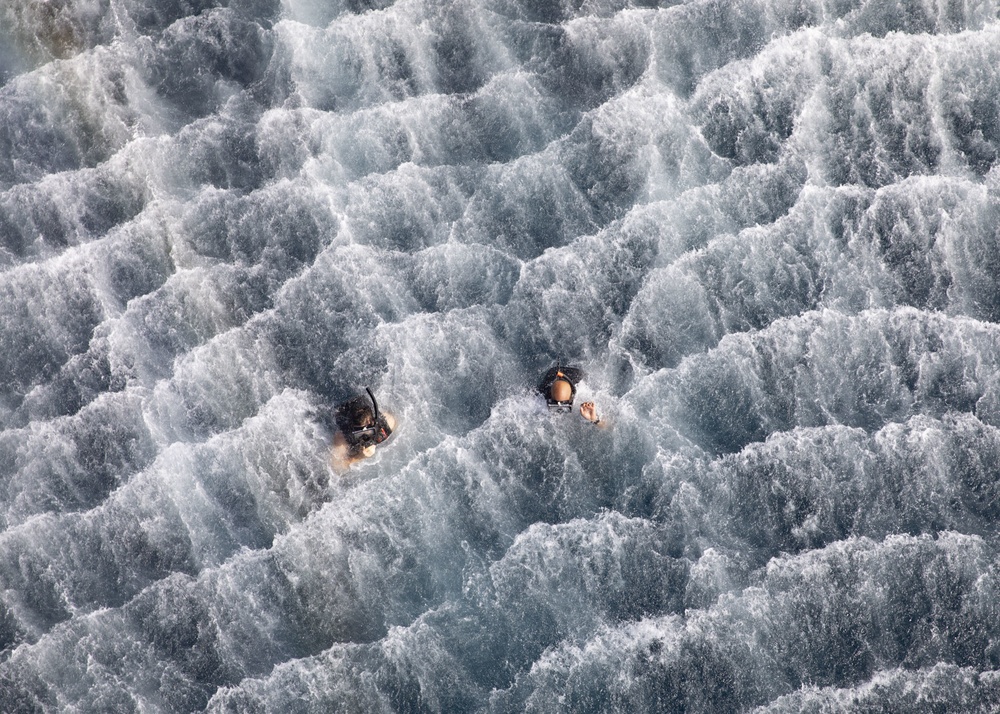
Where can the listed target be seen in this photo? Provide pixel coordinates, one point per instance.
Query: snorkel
(381, 431)
(374, 403)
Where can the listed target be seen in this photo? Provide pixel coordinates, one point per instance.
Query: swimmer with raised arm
(558, 386)
(360, 428)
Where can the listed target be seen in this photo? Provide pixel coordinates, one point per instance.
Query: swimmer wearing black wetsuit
(360, 428)
(558, 387)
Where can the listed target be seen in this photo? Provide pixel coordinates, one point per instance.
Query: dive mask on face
(555, 406)
(365, 436)
(370, 435)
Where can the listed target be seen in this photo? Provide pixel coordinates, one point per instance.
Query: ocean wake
(766, 229)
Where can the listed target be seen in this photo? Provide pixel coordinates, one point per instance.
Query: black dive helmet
(571, 375)
(365, 436)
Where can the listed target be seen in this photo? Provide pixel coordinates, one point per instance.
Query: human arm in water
(589, 412)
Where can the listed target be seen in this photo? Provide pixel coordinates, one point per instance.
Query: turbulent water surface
(769, 231)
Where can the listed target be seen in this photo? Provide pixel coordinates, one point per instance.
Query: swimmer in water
(360, 428)
(558, 386)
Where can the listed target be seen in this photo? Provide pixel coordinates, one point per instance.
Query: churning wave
(767, 230)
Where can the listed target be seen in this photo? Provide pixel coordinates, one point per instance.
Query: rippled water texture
(769, 230)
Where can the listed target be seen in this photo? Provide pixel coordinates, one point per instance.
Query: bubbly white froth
(766, 229)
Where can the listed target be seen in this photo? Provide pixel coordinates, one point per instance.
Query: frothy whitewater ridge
(769, 231)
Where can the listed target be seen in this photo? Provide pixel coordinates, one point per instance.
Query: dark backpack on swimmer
(569, 374)
(361, 423)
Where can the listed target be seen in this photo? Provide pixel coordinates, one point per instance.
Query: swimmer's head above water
(558, 386)
(561, 391)
(361, 426)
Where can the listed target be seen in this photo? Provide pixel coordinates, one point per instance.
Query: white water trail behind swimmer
(766, 230)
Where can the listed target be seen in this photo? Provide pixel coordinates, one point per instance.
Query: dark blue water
(769, 231)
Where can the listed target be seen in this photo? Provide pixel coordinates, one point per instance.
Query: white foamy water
(766, 229)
